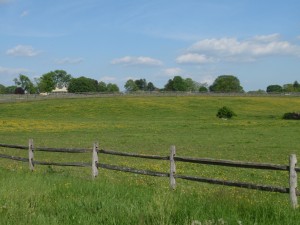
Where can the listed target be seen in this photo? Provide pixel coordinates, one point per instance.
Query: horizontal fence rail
(46, 149)
(14, 146)
(64, 150)
(292, 189)
(264, 166)
(110, 152)
(16, 158)
(132, 170)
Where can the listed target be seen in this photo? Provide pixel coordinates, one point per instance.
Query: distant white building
(60, 90)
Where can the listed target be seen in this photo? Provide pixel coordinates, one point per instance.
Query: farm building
(60, 90)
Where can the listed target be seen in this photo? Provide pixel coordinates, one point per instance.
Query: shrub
(19, 91)
(225, 112)
(203, 89)
(291, 116)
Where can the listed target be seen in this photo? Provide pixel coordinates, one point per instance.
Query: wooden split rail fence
(172, 158)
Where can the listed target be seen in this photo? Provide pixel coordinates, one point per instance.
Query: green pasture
(147, 125)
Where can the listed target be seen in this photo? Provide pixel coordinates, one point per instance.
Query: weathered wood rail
(172, 158)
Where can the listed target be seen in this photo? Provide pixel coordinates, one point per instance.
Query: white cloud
(173, 71)
(24, 13)
(108, 79)
(194, 58)
(232, 49)
(12, 71)
(68, 60)
(141, 60)
(267, 38)
(22, 50)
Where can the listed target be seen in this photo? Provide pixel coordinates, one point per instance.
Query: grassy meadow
(147, 125)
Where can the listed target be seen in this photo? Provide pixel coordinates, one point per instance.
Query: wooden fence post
(30, 155)
(95, 160)
(172, 167)
(293, 181)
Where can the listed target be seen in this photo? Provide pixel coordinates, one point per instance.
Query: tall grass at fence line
(53, 198)
(148, 125)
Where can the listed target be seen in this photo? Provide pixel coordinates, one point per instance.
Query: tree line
(295, 87)
(57, 79)
(61, 79)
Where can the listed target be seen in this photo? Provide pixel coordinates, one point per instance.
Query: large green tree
(25, 83)
(274, 88)
(82, 84)
(193, 85)
(292, 87)
(141, 84)
(112, 87)
(296, 85)
(150, 86)
(46, 83)
(49, 81)
(130, 86)
(169, 85)
(176, 84)
(102, 86)
(61, 78)
(203, 89)
(179, 84)
(288, 88)
(226, 83)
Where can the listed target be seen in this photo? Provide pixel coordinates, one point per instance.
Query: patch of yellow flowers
(11, 125)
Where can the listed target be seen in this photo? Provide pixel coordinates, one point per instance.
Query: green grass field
(147, 125)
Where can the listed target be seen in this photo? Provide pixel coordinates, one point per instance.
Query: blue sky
(115, 40)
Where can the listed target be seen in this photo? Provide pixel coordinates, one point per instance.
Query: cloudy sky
(115, 40)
